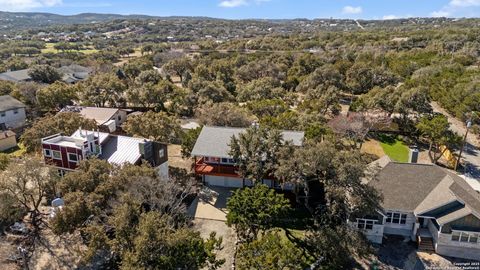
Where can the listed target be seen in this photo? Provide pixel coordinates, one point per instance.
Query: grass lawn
(396, 149)
(50, 49)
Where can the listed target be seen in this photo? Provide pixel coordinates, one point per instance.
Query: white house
(427, 204)
(12, 113)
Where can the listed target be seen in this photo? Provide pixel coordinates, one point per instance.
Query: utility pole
(469, 124)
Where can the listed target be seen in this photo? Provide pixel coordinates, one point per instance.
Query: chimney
(414, 154)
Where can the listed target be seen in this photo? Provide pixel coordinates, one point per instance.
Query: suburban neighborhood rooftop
(214, 141)
(9, 103)
(421, 188)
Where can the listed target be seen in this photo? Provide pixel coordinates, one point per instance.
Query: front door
(421, 221)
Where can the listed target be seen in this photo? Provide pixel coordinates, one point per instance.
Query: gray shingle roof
(404, 185)
(71, 74)
(426, 189)
(9, 103)
(214, 141)
(15, 76)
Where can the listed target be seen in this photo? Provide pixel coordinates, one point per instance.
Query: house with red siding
(65, 152)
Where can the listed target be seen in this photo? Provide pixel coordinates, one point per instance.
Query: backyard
(395, 148)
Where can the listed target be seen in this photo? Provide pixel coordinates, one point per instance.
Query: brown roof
(6, 134)
(100, 115)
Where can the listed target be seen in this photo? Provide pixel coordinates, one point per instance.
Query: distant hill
(25, 20)
(17, 23)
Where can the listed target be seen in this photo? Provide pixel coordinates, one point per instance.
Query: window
(473, 238)
(119, 118)
(212, 159)
(467, 237)
(456, 236)
(47, 152)
(365, 224)
(403, 218)
(396, 218)
(15, 111)
(56, 155)
(72, 157)
(224, 160)
(161, 153)
(2, 114)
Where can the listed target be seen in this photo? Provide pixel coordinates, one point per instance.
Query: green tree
(223, 114)
(254, 210)
(56, 96)
(189, 139)
(158, 245)
(264, 88)
(150, 95)
(255, 152)
(267, 107)
(27, 184)
(135, 67)
(436, 130)
(148, 76)
(44, 74)
(6, 87)
(156, 126)
(178, 67)
(66, 123)
(270, 252)
(101, 90)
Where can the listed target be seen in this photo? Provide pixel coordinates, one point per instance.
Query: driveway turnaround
(211, 203)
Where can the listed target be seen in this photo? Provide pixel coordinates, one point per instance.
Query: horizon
(233, 19)
(257, 9)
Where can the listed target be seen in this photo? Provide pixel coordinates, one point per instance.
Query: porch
(425, 240)
(203, 168)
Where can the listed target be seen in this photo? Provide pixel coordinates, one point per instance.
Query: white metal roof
(117, 149)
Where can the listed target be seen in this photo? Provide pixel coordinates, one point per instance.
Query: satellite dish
(58, 202)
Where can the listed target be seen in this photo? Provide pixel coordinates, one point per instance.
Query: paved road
(471, 152)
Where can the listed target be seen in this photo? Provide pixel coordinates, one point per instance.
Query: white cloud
(455, 7)
(233, 3)
(238, 3)
(464, 3)
(352, 10)
(13, 5)
(440, 13)
(390, 17)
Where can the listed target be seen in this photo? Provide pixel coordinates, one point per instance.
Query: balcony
(203, 168)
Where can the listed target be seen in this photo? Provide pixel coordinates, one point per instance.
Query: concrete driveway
(211, 203)
(209, 215)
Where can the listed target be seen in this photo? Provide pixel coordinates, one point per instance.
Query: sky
(260, 9)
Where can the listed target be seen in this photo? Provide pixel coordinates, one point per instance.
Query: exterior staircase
(425, 244)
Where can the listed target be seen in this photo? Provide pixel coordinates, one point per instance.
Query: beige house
(108, 119)
(7, 140)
